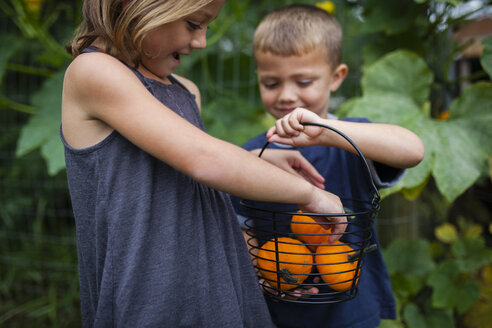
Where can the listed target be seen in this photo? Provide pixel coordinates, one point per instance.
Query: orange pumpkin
(335, 265)
(295, 262)
(307, 230)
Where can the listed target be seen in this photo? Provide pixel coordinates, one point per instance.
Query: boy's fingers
(279, 128)
(288, 129)
(295, 121)
(271, 132)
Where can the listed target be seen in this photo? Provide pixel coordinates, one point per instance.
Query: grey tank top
(155, 247)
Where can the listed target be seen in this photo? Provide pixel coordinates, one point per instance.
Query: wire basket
(290, 250)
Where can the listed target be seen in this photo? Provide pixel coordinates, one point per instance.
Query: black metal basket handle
(372, 184)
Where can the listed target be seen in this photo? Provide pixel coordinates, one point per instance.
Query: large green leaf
(472, 113)
(413, 317)
(409, 257)
(386, 107)
(42, 130)
(451, 289)
(456, 149)
(472, 253)
(458, 160)
(401, 72)
(431, 318)
(486, 59)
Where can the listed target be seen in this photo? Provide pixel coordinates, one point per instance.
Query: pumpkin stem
(287, 276)
(348, 211)
(352, 257)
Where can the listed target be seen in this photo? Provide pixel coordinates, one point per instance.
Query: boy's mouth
(176, 55)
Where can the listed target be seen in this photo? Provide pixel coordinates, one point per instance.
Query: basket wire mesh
(288, 254)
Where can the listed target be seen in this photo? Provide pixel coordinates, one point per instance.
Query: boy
(298, 51)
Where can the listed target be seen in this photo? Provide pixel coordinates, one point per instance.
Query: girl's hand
(293, 162)
(289, 130)
(326, 202)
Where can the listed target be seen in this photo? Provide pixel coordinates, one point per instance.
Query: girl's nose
(199, 40)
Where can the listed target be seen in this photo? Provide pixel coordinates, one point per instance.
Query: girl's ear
(338, 76)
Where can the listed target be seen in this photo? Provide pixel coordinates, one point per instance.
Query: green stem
(30, 70)
(7, 103)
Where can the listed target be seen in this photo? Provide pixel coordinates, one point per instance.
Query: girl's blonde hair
(299, 29)
(121, 25)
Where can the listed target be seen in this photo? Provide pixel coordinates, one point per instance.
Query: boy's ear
(338, 77)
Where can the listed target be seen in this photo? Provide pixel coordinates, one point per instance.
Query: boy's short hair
(298, 29)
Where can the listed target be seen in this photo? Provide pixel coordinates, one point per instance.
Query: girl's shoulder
(191, 86)
(95, 67)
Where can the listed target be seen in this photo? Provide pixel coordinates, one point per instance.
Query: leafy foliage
(486, 59)
(42, 130)
(401, 59)
(456, 149)
(416, 271)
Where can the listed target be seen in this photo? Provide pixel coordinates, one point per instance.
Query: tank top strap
(90, 49)
(176, 82)
(140, 76)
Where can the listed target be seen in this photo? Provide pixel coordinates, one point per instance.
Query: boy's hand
(293, 162)
(289, 130)
(301, 291)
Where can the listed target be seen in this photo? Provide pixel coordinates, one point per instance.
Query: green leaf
(8, 44)
(432, 318)
(406, 286)
(390, 17)
(409, 257)
(458, 159)
(472, 253)
(452, 2)
(486, 59)
(437, 318)
(471, 111)
(446, 232)
(42, 130)
(401, 72)
(387, 323)
(395, 91)
(451, 289)
(412, 316)
(389, 107)
(53, 152)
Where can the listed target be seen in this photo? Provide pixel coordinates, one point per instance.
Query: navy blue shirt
(347, 177)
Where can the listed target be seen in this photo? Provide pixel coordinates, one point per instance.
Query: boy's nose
(199, 40)
(287, 94)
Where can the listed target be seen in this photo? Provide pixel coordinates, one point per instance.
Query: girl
(158, 241)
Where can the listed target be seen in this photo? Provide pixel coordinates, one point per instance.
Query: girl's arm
(293, 162)
(99, 88)
(385, 143)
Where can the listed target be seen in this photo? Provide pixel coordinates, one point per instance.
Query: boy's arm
(385, 143)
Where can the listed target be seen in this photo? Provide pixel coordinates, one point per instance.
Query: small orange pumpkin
(335, 265)
(308, 231)
(295, 262)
